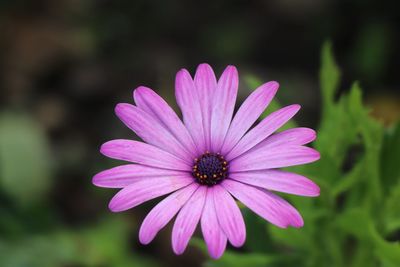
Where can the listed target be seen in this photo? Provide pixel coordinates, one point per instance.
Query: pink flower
(208, 161)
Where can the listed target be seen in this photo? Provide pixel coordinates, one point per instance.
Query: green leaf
(257, 238)
(359, 224)
(291, 237)
(233, 259)
(329, 77)
(349, 180)
(25, 162)
(390, 155)
(356, 222)
(333, 143)
(388, 251)
(392, 209)
(104, 244)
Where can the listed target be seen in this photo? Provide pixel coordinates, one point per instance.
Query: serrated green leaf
(350, 179)
(329, 77)
(392, 209)
(336, 134)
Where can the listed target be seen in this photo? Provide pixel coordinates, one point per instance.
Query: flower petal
(142, 153)
(147, 128)
(223, 105)
(214, 236)
(187, 220)
(147, 100)
(121, 176)
(266, 204)
(278, 180)
(248, 113)
(295, 136)
(277, 157)
(205, 83)
(163, 212)
(264, 129)
(229, 216)
(187, 99)
(291, 137)
(146, 189)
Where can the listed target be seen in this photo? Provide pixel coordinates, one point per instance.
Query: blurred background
(65, 64)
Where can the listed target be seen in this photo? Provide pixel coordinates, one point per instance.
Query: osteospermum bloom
(207, 161)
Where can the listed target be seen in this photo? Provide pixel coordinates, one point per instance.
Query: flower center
(210, 168)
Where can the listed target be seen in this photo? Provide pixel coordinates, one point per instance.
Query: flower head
(207, 161)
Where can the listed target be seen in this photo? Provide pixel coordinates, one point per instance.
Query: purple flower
(207, 161)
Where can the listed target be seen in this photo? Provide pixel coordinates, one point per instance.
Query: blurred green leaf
(347, 224)
(388, 252)
(356, 222)
(350, 179)
(390, 155)
(233, 259)
(257, 238)
(329, 77)
(392, 209)
(102, 245)
(25, 162)
(337, 133)
(107, 244)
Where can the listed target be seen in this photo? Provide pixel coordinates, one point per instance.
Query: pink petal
(248, 113)
(223, 106)
(146, 189)
(187, 99)
(121, 176)
(187, 220)
(163, 212)
(264, 129)
(205, 83)
(142, 153)
(266, 204)
(229, 216)
(278, 180)
(277, 157)
(147, 128)
(147, 100)
(295, 136)
(213, 235)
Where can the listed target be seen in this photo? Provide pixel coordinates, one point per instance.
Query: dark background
(65, 64)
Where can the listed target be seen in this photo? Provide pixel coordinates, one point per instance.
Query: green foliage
(357, 214)
(329, 77)
(103, 244)
(25, 162)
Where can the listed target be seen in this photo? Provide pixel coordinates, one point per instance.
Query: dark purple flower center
(210, 168)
